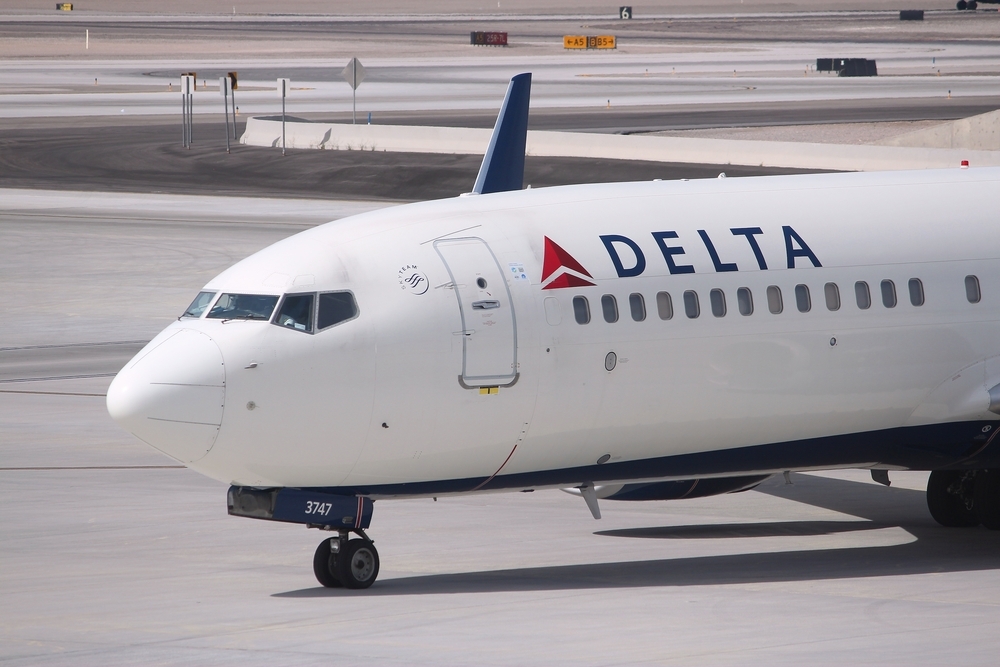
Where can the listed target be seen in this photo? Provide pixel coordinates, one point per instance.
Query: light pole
(283, 85)
(188, 83)
(224, 89)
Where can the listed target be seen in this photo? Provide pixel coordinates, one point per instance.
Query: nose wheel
(340, 562)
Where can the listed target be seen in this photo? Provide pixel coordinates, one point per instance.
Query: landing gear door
(489, 327)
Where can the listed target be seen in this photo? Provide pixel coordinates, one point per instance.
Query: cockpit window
(243, 307)
(296, 312)
(200, 303)
(336, 307)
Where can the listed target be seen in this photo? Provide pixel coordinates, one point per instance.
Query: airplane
(625, 341)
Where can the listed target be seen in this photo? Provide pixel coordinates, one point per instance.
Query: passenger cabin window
(581, 309)
(802, 300)
(774, 303)
(243, 307)
(199, 305)
(334, 308)
(972, 292)
(637, 305)
(832, 294)
(664, 305)
(863, 296)
(888, 293)
(610, 308)
(718, 300)
(744, 300)
(296, 312)
(691, 306)
(916, 291)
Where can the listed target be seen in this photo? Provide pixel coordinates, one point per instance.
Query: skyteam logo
(567, 271)
(412, 280)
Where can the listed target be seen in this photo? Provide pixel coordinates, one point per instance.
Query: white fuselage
(399, 398)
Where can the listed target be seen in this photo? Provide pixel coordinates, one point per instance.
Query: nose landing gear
(343, 562)
(338, 561)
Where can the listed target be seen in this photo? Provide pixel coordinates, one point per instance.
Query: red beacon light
(965, 164)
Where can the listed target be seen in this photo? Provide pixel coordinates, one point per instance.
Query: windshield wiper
(244, 317)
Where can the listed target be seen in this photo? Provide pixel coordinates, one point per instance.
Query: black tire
(325, 565)
(987, 495)
(972, 5)
(961, 5)
(357, 564)
(948, 499)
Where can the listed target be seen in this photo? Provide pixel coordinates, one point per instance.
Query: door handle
(488, 304)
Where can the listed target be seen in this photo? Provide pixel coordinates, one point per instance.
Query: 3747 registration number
(318, 508)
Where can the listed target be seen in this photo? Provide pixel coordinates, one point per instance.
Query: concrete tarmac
(114, 555)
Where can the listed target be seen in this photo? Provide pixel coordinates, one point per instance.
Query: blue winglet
(503, 164)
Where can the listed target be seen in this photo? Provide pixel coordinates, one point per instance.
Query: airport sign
(589, 42)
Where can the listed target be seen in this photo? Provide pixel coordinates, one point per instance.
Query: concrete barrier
(469, 141)
(980, 132)
(393, 138)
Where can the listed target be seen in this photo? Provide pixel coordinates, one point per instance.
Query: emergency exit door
(489, 327)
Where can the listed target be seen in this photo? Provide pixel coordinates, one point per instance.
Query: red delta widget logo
(558, 261)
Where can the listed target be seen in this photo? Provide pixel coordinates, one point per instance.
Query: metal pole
(190, 118)
(354, 88)
(184, 119)
(225, 104)
(282, 117)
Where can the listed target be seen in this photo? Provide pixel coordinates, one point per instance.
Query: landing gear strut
(343, 562)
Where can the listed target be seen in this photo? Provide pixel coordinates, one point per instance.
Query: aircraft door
(489, 327)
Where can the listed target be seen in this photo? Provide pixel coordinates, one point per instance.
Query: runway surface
(151, 88)
(130, 65)
(616, 120)
(114, 555)
(430, 9)
(655, 118)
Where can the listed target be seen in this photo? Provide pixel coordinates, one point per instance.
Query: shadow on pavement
(731, 530)
(934, 550)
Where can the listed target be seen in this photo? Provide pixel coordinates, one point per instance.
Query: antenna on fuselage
(503, 165)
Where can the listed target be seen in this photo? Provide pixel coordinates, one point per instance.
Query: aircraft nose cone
(172, 395)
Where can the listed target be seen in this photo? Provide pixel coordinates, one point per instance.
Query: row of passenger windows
(303, 312)
(773, 297)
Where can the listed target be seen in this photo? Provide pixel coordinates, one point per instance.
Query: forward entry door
(489, 328)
